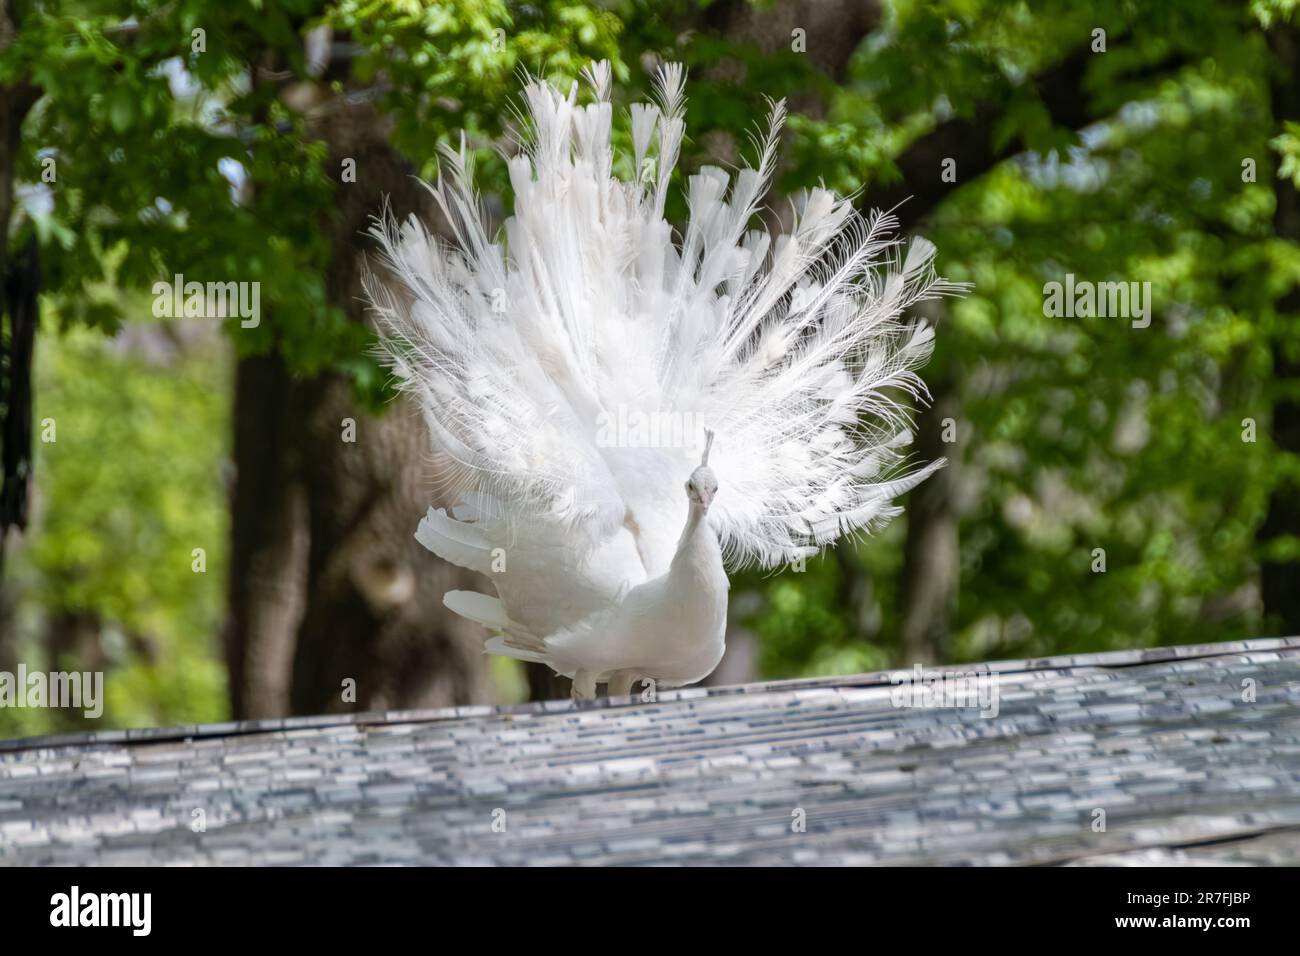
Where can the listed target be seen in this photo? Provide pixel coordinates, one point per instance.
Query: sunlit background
(199, 529)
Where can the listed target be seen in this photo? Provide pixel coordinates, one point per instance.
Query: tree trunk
(19, 287)
(931, 556)
(268, 541)
(832, 32)
(334, 606)
(1279, 577)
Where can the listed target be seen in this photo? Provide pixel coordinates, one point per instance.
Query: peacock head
(703, 483)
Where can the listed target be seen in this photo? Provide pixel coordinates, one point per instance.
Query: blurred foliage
(152, 138)
(174, 155)
(1075, 434)
(131, 441)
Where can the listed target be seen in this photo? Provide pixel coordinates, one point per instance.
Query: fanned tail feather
(793, 349)
(477, 607)
(456, 541)
(510, 638)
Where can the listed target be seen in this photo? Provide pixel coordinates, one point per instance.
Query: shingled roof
(1169, 743)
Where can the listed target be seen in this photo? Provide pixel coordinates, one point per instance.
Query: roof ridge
(1104, 659)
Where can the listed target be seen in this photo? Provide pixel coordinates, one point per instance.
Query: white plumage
(567, 371)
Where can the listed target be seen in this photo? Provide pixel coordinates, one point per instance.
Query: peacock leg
(584, 685)
(620, 683)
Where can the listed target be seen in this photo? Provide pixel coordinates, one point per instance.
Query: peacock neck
(694, 518)
(697, 546)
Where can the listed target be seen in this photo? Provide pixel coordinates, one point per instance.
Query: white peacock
(608, 556)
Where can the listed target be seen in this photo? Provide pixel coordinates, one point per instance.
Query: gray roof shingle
(1186, 768)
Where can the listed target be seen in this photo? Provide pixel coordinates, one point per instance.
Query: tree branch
(970, 140)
